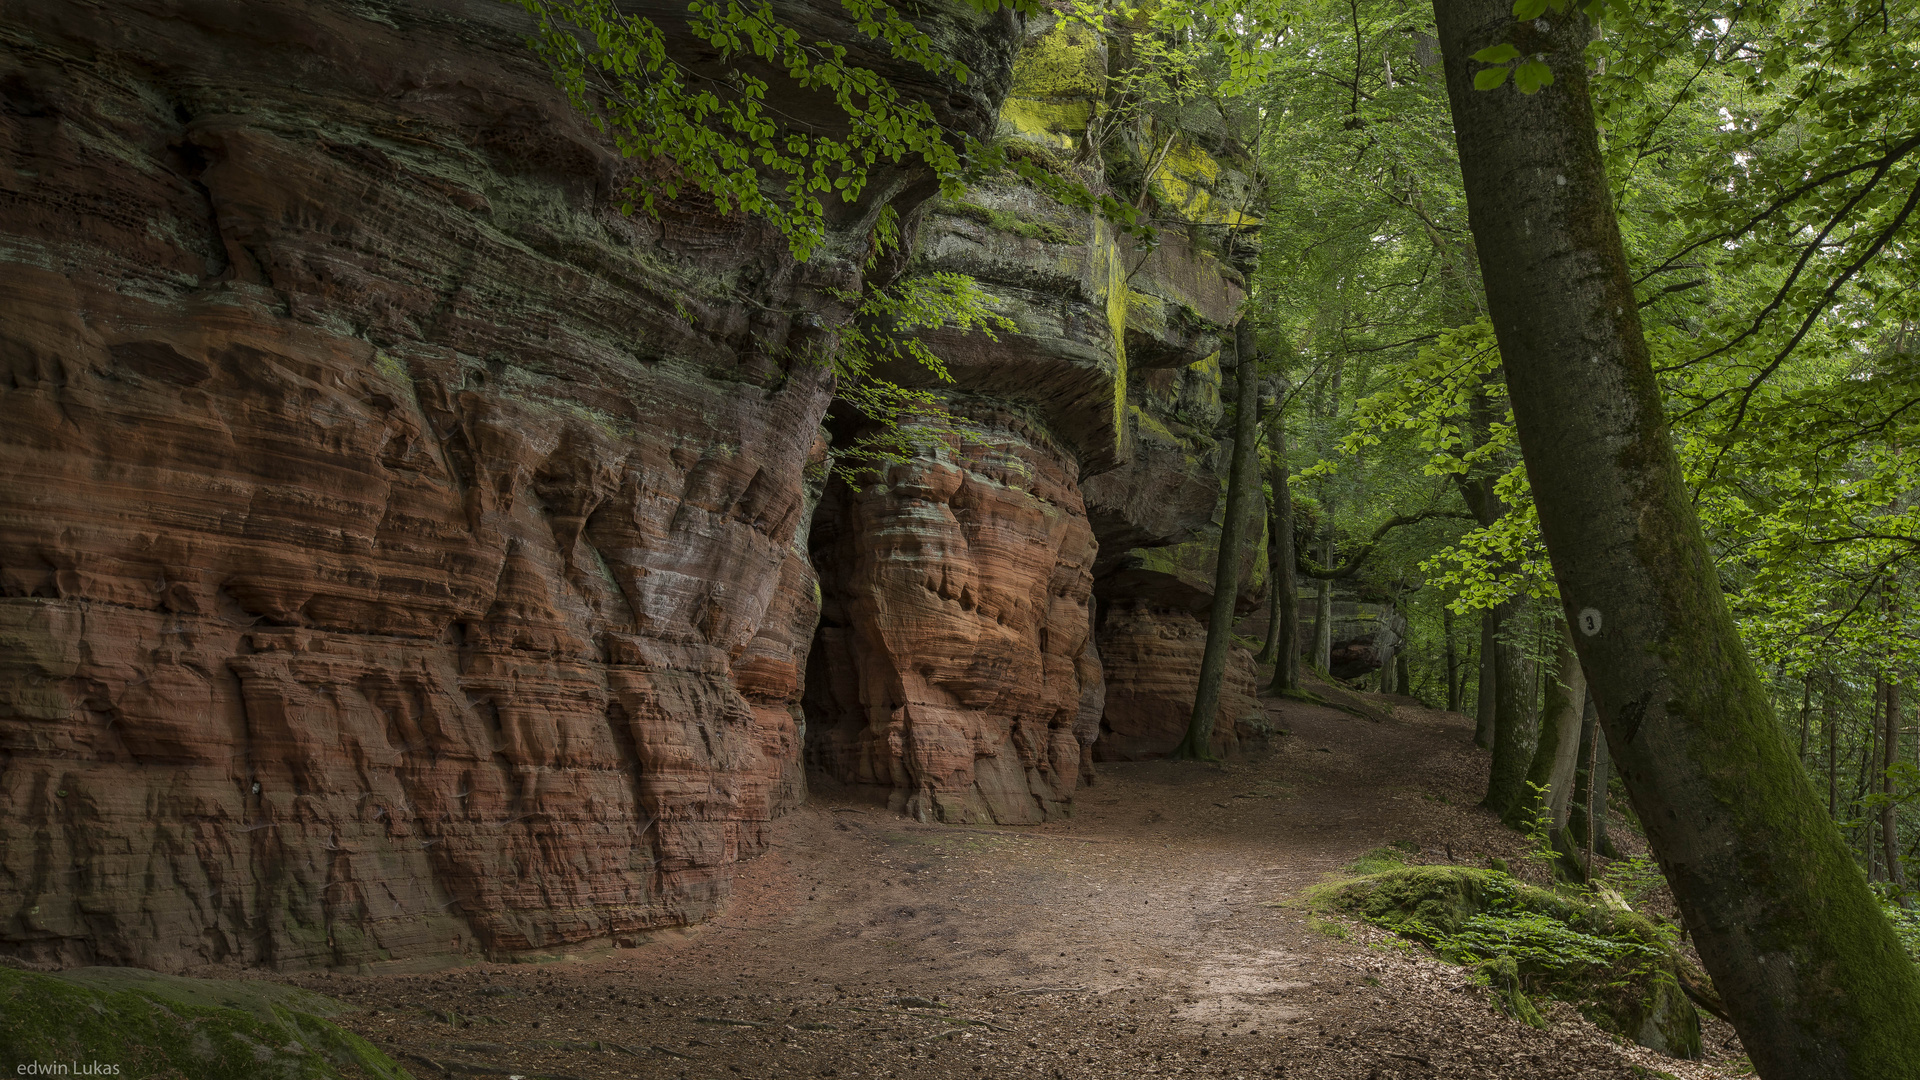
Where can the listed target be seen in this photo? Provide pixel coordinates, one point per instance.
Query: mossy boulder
(1614, 965)
(150, 1025)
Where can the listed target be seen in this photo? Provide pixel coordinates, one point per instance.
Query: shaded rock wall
(401, 552)
(955, 711)
(954, 674)
(1152, 658)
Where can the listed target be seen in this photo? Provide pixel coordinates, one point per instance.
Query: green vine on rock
(719, 133)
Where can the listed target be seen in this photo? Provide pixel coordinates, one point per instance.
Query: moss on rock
(152, 1025)
(1616, 966)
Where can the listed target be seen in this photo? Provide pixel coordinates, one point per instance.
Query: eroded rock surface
(402, 553)
(1152, 658)
(954, 673)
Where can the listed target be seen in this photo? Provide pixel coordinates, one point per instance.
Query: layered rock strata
(402, 553)
(956, 674)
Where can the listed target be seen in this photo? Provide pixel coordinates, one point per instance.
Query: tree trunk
(1454, 680)
(1242, 485)
(1557, 755)
(1806, 707)
(1285, 586)
(1869, 754)
(1323, 605)
(1402, 675)
(1489, 680)
(1833, 763)
(1816, 981)
(1516, 727)
(1587, 823)
(1388, 654)
(1890, 754)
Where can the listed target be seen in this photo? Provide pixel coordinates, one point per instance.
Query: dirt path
(1151, 935)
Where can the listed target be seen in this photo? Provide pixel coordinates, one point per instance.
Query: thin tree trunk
(1323, 605)
(1242, 484)
(1890, 754)
(1402, 675)
(1833, 762)
(1389, 684)
(1869, 753)
(1587, 818)
(1270, 645)
(1489, 680)
(1516, 726)
(1286, 587)
(1557, 755)
(1806, 706)
(1816, 982)
(1453, 659)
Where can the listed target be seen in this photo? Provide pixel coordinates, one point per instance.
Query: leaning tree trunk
(1550, 775)
(1489, 683)
(1810, 969)
(1242, 485)
(1282, 584)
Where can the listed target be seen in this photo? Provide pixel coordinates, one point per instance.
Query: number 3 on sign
(1589, 621)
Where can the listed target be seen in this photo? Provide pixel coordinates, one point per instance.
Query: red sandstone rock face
(387, 567)
(954, 673)
(1152, 660)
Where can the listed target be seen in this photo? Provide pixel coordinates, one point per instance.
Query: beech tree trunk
(1889, 832)
(1242, 488)
(1388, 654)
(1833, 765)
(1323, 606)
(1816, 982)
(1516, 727)
(1284, 625)
(1489, 682)
(1454, 679)
(1587, 822)
(1558, 752)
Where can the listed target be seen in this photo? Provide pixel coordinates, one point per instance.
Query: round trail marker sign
(1589, 621)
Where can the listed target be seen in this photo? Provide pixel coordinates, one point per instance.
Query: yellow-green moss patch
(1617, 967)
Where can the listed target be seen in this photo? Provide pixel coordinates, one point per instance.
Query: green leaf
(1497, 54)
(1529, 77)
(1525, 10)
(1489, 78)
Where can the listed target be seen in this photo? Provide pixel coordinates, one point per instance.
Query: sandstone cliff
(957, 672)
(401, 551)
(404, 554)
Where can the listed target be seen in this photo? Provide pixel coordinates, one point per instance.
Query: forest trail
(1156, 933)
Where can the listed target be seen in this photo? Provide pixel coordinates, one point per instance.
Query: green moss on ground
(151, 1025)
(1616, 966)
